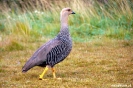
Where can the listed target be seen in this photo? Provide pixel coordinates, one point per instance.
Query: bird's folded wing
(41, 54)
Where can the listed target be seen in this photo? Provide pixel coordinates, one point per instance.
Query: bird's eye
(68, 10)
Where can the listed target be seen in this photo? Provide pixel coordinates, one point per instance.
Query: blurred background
(33, 20)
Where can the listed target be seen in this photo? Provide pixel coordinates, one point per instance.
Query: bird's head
(67, 11)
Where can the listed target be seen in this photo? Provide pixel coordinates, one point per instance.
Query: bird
(53, 51)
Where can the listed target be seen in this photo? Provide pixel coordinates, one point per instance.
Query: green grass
(112, 20)
(102, 34)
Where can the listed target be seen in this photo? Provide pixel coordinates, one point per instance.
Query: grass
(94, 64)
(92, 19)
(102, 34)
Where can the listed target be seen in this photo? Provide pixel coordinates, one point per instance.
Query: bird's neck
(64, 26)
(64, 29)
(64, 20)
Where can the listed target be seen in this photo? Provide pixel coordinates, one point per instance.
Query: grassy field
(102, 33)
(90, 65)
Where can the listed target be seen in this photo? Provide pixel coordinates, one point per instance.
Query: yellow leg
(45, 70)
(53, 70)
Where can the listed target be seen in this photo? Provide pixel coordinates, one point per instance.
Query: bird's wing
(58, 53)
(40, 55)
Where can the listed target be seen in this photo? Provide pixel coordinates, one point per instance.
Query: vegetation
(93, 19)
(90, 65)
(103, 42)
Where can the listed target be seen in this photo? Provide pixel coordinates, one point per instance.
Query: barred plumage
(54, 51)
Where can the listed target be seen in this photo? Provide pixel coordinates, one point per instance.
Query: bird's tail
(24, 69)
(27, 66)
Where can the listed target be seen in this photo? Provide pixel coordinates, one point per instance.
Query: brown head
(64, 14)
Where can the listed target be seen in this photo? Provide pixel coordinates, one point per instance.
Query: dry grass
(97, 64)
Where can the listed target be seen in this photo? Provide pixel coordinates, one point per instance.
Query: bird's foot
(40, 77)
(58, 78)
(46, 79)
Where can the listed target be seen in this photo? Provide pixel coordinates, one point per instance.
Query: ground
(94, 64)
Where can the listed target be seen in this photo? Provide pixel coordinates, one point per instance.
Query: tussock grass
(41, 18)
(14, 46)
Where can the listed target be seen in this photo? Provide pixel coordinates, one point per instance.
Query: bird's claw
(40, 78)
(59, 78)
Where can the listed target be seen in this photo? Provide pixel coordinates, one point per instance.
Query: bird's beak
(73, 13)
